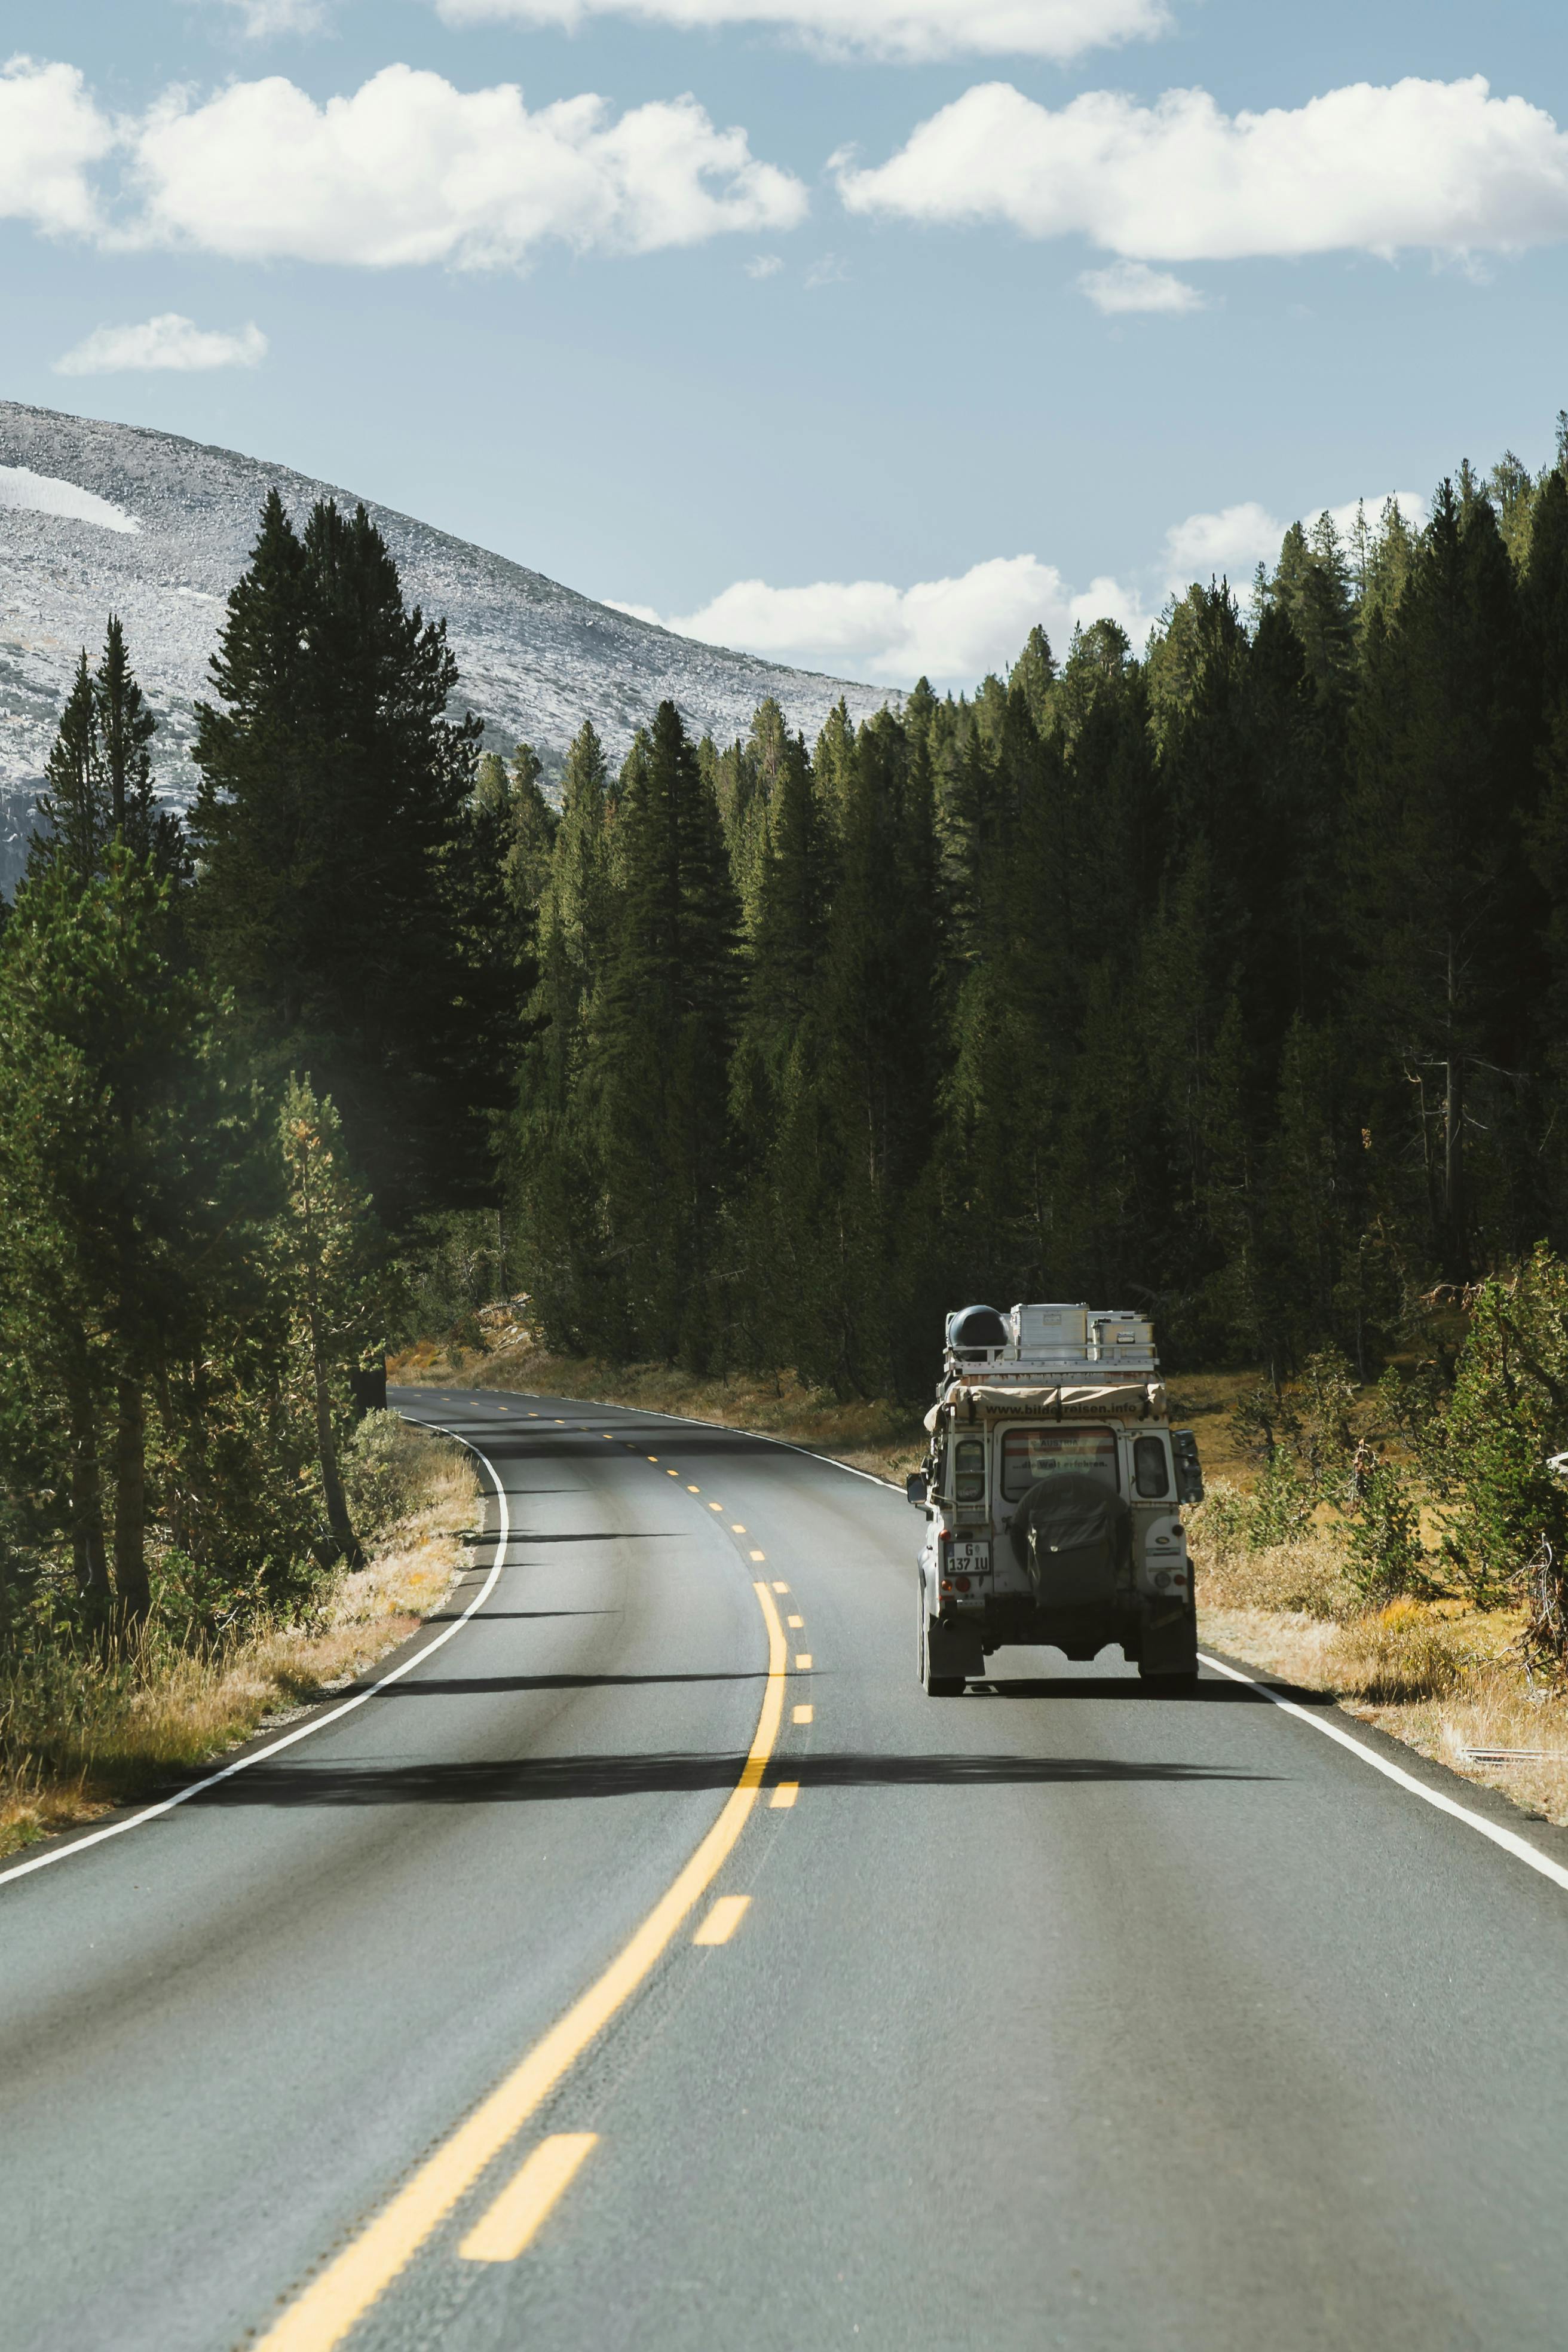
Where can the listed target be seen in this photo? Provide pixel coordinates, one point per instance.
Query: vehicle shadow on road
(1130, 1691)
(555, 1779)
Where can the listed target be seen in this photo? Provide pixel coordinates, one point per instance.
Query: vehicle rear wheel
(935, 1685)
(1168, 1651)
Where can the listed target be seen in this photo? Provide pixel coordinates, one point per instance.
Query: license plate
(971, 1557)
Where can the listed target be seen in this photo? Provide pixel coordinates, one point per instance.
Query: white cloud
(262, 19)
(764, 265)
(24, 492)
(831, 270)
(953, 630)
(1422, 163)
(950, 630)
(1411, 504)
(1229, 545)
(909, 30)
(51, 133)
(410, 170)
(166, 341)
(1133, 286)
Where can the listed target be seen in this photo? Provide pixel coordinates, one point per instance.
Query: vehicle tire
(935, 1685)
(1168, 1654)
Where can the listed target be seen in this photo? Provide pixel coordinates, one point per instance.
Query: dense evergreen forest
(1228, 979)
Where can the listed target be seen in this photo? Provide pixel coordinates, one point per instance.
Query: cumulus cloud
(410, 170)
(1232, 543)
(1229, 545)
(950, 630)
(1443, 165)
(954, 631)
(167, 341)
(908, 30)
(50, 134)
(1133, 286)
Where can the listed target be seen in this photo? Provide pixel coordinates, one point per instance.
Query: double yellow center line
(340, 2295)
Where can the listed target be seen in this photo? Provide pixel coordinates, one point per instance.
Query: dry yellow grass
(188, 1708)
(871, 1434)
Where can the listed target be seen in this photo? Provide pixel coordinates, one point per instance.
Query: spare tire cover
(1072, 1534)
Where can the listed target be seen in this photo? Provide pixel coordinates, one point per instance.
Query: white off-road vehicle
(1053, 1493)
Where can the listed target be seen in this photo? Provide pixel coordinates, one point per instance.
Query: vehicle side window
(1151, 1474)
(969, 1470)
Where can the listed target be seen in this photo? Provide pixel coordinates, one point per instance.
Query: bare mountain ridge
(96, 517)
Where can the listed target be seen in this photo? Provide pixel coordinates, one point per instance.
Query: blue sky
(968, 316)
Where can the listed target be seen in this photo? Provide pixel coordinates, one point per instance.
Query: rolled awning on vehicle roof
(1116, 1400)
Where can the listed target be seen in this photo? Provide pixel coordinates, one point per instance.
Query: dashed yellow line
(759, 1555)
(340, 2295)
(803, 1661)
(723, 1919)
(802, 1715)
(795, 1622)
(507, 2228)
(783, 1796)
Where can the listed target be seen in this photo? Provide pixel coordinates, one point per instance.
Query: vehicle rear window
(1028, 1455)
(969, 1470)
(1151, 1473)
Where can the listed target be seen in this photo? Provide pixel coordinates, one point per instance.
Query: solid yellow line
(723, 1919)
(504, 2231)
(322, 2314)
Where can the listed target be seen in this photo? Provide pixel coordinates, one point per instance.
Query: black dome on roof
(976, 1327)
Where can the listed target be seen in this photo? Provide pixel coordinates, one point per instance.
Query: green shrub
(1507, 1414)
(1385, 1556)
(1280, 1507)
(387, 1469)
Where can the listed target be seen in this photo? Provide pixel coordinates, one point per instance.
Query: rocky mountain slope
(97, 518)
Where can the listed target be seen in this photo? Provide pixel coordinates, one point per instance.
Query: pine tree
(74, 807)
(333, 799)
(1446, 779)
(101, 1136)
(325, 1253)
(663, 1024)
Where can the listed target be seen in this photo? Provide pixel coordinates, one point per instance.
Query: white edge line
(696, 1421)
(335, 1715)
(1510, 1839)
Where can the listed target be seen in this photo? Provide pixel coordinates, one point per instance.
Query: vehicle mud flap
(1168, 1642)
(953, 1648)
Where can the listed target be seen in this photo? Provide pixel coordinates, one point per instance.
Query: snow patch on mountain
(24, 492)
(98, 518)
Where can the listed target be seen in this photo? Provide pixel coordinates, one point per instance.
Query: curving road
(1060, 2014)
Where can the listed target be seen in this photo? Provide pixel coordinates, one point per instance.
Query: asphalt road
(1060, 2014)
